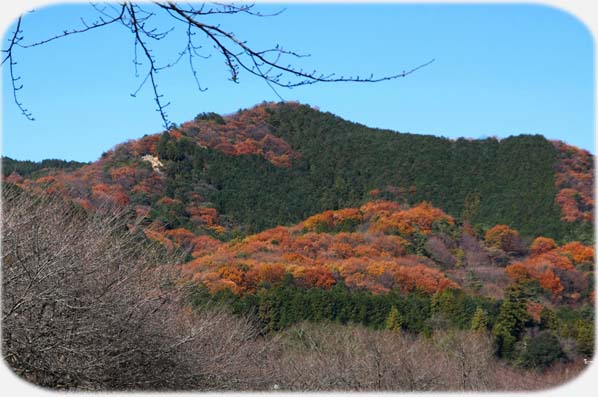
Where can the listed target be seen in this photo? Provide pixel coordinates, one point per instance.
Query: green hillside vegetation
(488, 181)
(276, 164)
(35, 169)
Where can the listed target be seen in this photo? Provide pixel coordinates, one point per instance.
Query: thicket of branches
(88, 305)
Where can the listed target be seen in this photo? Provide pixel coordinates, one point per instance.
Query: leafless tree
(475, 254)
(201, 39)
(87, 305)
(438, 251)
(332, 357)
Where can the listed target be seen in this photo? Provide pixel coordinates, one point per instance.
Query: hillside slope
(276, 164)
(384, 246)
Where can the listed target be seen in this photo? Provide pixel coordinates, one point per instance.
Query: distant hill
(276, 164)
(27, 168)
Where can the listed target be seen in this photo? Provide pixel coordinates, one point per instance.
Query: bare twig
(14, 79)
(268, 64)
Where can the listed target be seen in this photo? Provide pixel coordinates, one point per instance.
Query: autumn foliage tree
(503, 237)
(541, 245)
(574, 181)
(346, 244)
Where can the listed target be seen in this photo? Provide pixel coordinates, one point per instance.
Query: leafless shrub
(491, 274)
(470, 356)
(334, 357)
(438, 250)
(320, 357)
(475, 254)
(86, 306)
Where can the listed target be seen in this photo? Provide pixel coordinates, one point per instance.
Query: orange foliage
(551, 259)
(374, 193)
(266, 272)
(236, 274)
(14, 177)
(152, 184)
(315, 222)
(48, 179)
(517, 272)
(365, 250)
(342, 250)
(422, 277)
(502, 237)
(548, 268)
(84, 203)
(568, 199)
(574, 179)
(379, 208)
(418, 218)
(249, 146)
(292, 257)
(375, 262)
(158, 236)
(145, 145)
(542, 245)
(203, 215)
(111, 194)
(123, 174)
(168, 201)
(552, 283)
(318, 276)
(534, 309)
(243, 133)
(141, 211)
(392, 246)
(332, 220)
(578, 252)
(203, 245)
(181, 237)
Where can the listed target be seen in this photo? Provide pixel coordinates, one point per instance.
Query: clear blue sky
(500, 70)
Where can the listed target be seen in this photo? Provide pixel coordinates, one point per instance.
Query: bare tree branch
(137, 26)
(14, 79)
(268, 64)
(100, 23)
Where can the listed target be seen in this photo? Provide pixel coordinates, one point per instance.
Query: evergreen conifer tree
(394, 321)
(479, 321)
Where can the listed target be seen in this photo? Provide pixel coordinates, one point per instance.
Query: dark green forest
(34, 169)
(281, 305)
(487, 181)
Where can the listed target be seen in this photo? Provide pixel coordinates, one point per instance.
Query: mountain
(276, 164)
(286, 214)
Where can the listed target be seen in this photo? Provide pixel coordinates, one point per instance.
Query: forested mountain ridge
(33, 169)
(276, 164)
